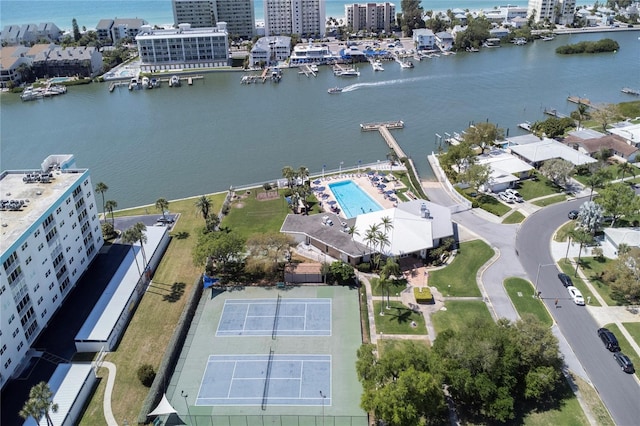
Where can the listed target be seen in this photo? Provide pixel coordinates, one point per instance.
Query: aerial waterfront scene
(273, 238)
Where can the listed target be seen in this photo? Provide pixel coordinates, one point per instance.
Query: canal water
(179, 142)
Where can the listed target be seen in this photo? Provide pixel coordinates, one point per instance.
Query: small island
(604, 45)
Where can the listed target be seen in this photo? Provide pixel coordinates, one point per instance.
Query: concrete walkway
(106, 403)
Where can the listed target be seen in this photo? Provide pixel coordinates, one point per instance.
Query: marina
(32, 93)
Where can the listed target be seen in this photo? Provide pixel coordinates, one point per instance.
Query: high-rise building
(305, 18)
(238, 14)
(554, 11)
(50, 232)
(373, 17)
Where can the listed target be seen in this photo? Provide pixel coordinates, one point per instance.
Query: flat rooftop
(38, 199)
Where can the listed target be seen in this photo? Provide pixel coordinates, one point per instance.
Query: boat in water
(174, 81)
(406, 64)
(630, 91)
(146, 83)
(313, 67)
(547, 38)
(154, 82)
(335, 90)
(377, 65)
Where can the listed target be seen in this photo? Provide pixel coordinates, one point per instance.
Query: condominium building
(183, 48)
(57, 61)
(49, 234)
(555, 11)
(198, 13)
(238, 14)
(373, 17)
(305, 18)
(114, 30)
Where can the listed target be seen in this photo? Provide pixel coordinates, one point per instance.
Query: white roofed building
(270, 50)
(183, 48)
(540, 151)
(506, 169)
(50, 234)
(417, 226)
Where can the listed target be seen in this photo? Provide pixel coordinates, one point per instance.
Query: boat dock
(115, 84)
(255, 78)
(554, 112)
(306, 70)
(578, 100)
(383, 128)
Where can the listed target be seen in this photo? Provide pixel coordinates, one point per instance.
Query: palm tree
(583, 237)
(101, 188)
(387, 224)
(624, 168)
(129, 237)
(390, 270)
(596, 180)
(288, 173)
(580, 114)
(140, 229)
(352, 230)
(110, 206)
(162, 205)
(203, 204)
(39, 403)
(371, 237)
(303, 173)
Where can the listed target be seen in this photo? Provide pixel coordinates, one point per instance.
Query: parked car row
(510, 196)
(575, 294)
(611, 343)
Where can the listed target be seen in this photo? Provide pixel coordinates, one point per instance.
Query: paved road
(619, 391)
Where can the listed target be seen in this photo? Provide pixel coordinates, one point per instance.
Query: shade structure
(163, 408)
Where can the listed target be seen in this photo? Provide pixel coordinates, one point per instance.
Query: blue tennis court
(276, 317)
(301, 380)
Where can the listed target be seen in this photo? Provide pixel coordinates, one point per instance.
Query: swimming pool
(352, 199)
(59, 79)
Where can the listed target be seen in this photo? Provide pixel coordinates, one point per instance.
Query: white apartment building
(238, 14)
(303, 17)
(373, 17)
(556, 11)
(49, 234)
(183, 48)
(117, 29)
(424, 39)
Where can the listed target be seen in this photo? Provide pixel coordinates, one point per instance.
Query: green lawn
(492, 205)
(569, 269)
(592, 400)
(394, 289)
(521, 293)
(249, 215)
(592, 268)
(634, 330)
(625, 347)
(459, 278)
(397, 319)
(389, 344)
(562, 234)
(535, 188)
(550, 200)
(569, 412)
(515, 217)
(458, 313)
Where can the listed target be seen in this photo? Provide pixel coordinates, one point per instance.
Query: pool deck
(363, 181)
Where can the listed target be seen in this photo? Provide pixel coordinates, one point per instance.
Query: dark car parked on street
(573, 214)
(565, 280)
(609, 339)
(624, 362)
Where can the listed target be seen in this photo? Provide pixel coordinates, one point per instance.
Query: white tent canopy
(164, 407)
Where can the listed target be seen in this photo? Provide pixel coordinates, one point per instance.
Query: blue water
(159, 12)
(352, 199)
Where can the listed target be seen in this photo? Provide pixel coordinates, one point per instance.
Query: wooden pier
(383, 128)
(306, 70)
(578, 100)
(554, 113)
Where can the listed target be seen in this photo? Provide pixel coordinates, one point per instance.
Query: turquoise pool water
(59, 79)
(352, 199)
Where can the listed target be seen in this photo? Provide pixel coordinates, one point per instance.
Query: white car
(515, 194)
(575, 295)
(504, 196)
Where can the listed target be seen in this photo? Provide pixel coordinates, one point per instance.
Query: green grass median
(521, 293)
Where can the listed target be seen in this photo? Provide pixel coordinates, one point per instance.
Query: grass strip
(521, 293)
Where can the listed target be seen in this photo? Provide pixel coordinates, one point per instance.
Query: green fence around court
(276, 420)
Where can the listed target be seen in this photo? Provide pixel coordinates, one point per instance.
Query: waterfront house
(424, 39)
(183, 48)
(270, 50)
(506, 169)
(616, 145)
(629, 132)
(71, 61)
(49, 31)
(113, 30)
(11, 57)
(444, 41)
(535, 151)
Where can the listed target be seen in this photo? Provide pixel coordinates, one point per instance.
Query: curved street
(619, 391)
(524, 250)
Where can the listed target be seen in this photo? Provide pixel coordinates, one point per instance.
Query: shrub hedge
(423, 294)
